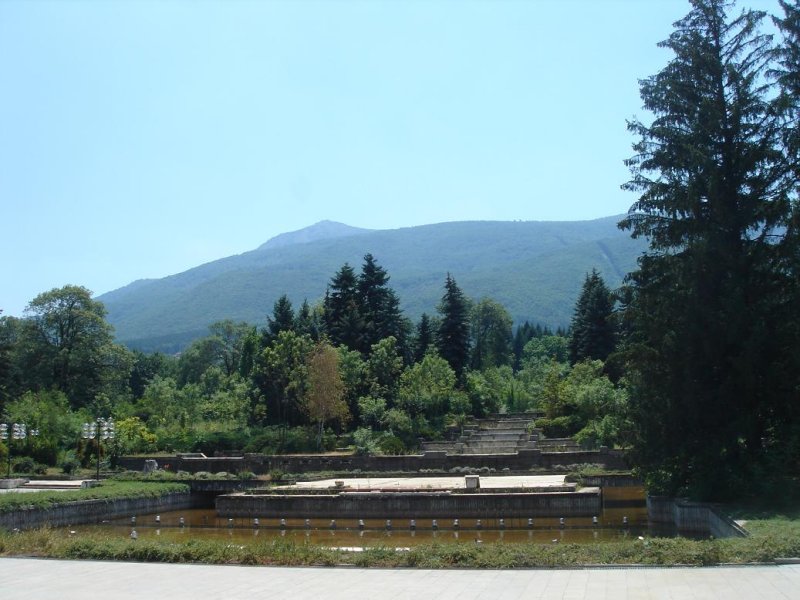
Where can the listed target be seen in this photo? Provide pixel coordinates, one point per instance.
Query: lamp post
(100, 429)
(19, 431)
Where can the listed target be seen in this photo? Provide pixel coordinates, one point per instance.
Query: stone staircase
(501, 434)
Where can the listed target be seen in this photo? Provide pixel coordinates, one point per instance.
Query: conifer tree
(592, 332)
(344, 322)
(452, 339)
(424, 337)
(379, 307)
(706, 352)
(282, 319)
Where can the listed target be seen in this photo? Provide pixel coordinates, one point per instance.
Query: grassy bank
(109, 490)
(771, 539)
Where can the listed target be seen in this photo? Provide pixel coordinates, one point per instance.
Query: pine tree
(282, 319)
(344, 322)
(424, 337)
(705, 347)
(307, 322)
(452, 339)
(379, 307)
(592, 332)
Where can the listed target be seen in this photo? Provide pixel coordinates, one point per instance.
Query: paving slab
(24, 578)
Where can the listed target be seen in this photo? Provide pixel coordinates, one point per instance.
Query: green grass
(110, 489)
(770, 539)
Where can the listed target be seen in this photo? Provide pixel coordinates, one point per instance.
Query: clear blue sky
(142, 138)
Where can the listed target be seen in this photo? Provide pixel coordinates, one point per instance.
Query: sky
(142, 138)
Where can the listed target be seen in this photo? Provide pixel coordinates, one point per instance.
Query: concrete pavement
(89, 580)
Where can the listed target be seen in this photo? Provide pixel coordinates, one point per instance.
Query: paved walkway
(88, 580)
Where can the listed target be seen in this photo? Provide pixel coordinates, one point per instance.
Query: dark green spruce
(711, 353)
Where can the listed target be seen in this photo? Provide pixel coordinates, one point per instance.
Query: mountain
(534, 268)
(324, 230)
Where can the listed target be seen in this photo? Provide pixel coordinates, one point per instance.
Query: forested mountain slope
(534, 268)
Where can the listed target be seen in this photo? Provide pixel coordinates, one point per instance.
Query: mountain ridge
(535, 268)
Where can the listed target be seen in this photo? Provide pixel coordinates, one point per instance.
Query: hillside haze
(534, 268)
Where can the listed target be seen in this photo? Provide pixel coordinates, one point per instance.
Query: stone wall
(692, 517)
(410, 505)
(93, 511)
(436, 461)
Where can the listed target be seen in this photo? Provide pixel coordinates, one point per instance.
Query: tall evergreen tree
(424, 337)
(707, 356)
(452, 339)
(282, 319)
(307, 322)
(379, 307)
(592, 332)
(344, 322)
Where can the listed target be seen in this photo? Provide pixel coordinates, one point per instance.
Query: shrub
(25, 464)
(559, 427)
(69, 465)
(391, 444)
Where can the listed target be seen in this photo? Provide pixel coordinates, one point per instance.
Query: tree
(324, 397)
(344, 322)
(282, 319)
(9, 377)
(491, 334)
(426, 387)
(452, 339)
(353, 370)
(307, 321)
(69, 345)
(707, 351)
(379, 306)
(147, 366)
(593, 334)
(228, 338)
(424, 338)
(280, 375)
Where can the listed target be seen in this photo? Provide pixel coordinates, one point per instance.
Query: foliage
(490, 326)
(365, 441)
(324, 400)
(66, 344)
(592, 333)
(426, 387)
(280, 375)
(710, 353)
(452, 337)
(282, 319)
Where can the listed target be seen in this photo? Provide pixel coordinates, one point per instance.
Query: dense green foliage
(452, 337)
(712, 309)
(593, 332)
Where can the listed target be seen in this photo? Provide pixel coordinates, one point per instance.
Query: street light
(19, 431)
(100, 429)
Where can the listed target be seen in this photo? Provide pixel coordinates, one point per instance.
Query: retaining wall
(438, 461)
(692, 517)
(411, 505)
(93, 511)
